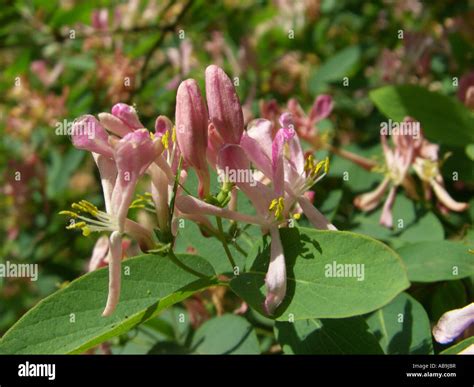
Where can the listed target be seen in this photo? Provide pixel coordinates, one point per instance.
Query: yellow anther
(73, 226)
(165, 139)
(152, 136)
(86, 231)
(297, 216)
(277, 206)
(173, 134)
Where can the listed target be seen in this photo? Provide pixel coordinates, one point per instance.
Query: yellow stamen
(165, 139)
(277, 206)
(173, 135)
(297, 216)
(75, 225)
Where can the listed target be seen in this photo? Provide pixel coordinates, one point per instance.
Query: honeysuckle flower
(306, 124)
(453, 323)
(300, 174)
(131, 157)
(88, 134)
(397, 163)
(409, 150)
(191, 131)
(123, 120)
(225, 110)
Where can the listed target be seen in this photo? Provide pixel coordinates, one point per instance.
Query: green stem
(224, 242)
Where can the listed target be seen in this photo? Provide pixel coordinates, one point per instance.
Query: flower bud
(128, 115)
(191, 131)
(88, 134)
(225, 111)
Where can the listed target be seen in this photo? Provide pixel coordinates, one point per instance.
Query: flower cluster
(208, 133)
(414, 151)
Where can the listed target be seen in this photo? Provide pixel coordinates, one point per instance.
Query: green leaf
(402, 327)
(456, 348)
(437, 261)
(442, 118)
(335, 68)
(311, 292)
(70, 321)
(228, 334)
(327, 337)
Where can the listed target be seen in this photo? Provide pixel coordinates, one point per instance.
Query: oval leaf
(70, 321)
(402, 327)
(437, 261)
(331, 274)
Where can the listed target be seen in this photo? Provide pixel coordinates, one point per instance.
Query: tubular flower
(131, 156)
(453, 323)
(397, 163)
(410, 150)
(225, 111)
(191, 124)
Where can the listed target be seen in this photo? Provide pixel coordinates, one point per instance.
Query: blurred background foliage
(64, 58)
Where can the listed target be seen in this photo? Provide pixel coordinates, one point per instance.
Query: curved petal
(446, 199)
(234, 167)
(275, 280)
(386, 218)
(115, 259)
(453, 323)
(368, 201)
(191, 205)
(257, 144)
(317, 219)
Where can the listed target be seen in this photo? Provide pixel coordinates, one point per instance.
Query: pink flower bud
(128, 115)
(191, 130)
(88, 134)
(225, 111)
(321, 109)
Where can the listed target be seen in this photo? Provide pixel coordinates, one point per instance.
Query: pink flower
(191, 133)
(225, 111)
(306, 124)
(121, 162)
(88, 134)
(123, 120)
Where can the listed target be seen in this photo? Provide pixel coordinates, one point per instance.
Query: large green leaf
(228, 334)
(69, 321)
(327, 337)
(442, 118)
(312, 292)
(402, 327)
(437, 261)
